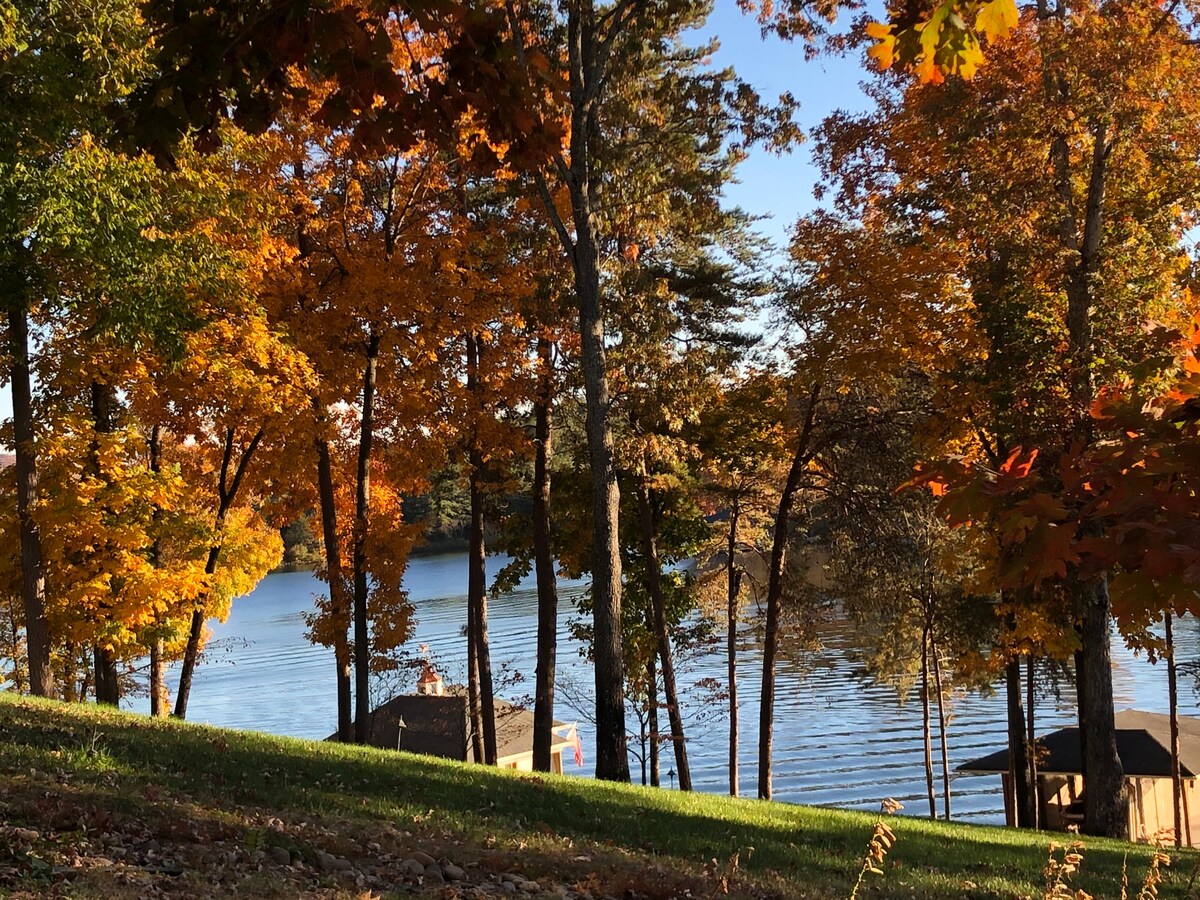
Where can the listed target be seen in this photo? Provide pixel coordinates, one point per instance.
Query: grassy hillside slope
(106, 804)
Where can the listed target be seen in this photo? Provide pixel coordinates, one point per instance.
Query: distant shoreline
(437, 547)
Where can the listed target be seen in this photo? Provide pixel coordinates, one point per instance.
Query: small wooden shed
(437, 722)
(1144, 746)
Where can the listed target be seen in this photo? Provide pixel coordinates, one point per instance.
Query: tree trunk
(732, 585)
(227, 492)
(652, 714)
(1018, 749)
(543, 561)
(1105, 804)
(661, 634)
(586, 68)
(644, 737)
(362, 517)
(1031, 743)
(477, 563)
(160, 695)
(783, 515)
(14, 649)
(33, 581)
(941, 712)
(1173, 703)
(926, 738)
(1105, 800)
(69, 675)
(104, 402)
(474, 711)
(339, 600)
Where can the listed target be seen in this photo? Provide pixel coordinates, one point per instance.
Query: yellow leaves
(945, 43)
(883, 51)
(996, 19)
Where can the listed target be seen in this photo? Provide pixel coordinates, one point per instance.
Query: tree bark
(362, 518)
(1018, 748)
(160, 695)
(652, 715)
(783, 515)
(1105, 804)
(733, 585)
(477, 598)
(926, 737)
(227, 493)
(474, 710)
(477, 560)
(941, 713)
(543, 562)
(662, 635)
(33, 581)
(339, 600)
(586, 65)
(1031, 743)
(1173, 702)
(1105, 800)
(104, 663)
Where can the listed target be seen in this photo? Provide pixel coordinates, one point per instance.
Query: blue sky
(781, 186)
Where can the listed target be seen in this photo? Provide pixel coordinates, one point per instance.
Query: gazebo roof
(438, 725)
(1143, 744)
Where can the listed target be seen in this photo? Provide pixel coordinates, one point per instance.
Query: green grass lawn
(99, 803)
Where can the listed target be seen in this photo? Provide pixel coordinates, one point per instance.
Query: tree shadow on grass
(799, 851)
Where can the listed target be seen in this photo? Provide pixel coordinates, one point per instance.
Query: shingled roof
(1143, 744)
(438, 725)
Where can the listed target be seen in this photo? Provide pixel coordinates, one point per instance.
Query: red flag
(578, 749)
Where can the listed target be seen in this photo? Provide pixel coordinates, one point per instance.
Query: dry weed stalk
(1154, 874)
(882, 838)
(1059, 871)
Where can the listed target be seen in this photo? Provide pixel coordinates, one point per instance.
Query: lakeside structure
(1144, 746)
(436, 721)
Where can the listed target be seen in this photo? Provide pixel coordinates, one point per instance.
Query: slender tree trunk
(652, 715)
(926, 737)
(1105, 804)
(227, 493)
(644, 737)
(1173, 702)
(477, 590)
(33, 581)
(104, 401)
(587, 70)
(1018, 750)
(1031, 744)
(941, 713)
(661, 633)
(69, 675)
(14, 649)
(160, 695)
(477, 563)
(362, 518)
(339, 594)
(783, 515)
(474, 710)
(543, 561)
(733, 584)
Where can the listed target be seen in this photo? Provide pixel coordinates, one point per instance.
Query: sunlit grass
(554, 822)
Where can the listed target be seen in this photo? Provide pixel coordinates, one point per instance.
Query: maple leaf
(883, 51)
(996, 19)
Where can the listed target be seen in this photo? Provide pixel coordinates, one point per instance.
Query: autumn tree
(583, 192)
(1059, 310)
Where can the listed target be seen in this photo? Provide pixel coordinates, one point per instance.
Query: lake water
(840, 740)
